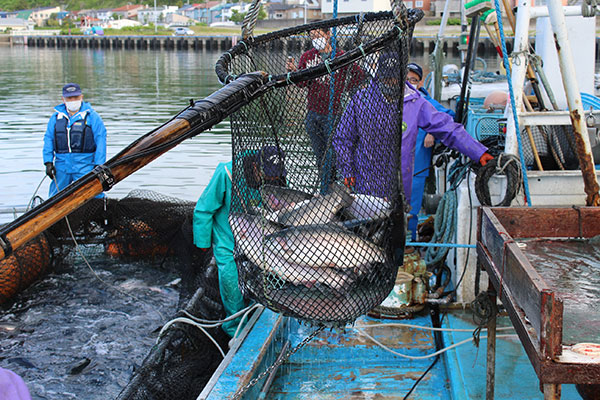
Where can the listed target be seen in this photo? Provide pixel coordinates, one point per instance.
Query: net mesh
(554, 144)
(317, 210)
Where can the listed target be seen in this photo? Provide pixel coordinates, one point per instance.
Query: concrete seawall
(420, 44)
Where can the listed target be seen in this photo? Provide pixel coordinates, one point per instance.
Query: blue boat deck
(349, 365)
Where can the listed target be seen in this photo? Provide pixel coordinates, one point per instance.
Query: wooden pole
(491, 347)
(202, 115)
(536, 155)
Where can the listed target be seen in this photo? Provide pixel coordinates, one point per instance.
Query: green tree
(237, 16)
(262, 14)
(53, 20)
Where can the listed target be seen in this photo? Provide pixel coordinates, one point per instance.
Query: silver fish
(320, 209)
(322, 308)
(249, 232)
(324, 246)
(280, 198)
(369, 207)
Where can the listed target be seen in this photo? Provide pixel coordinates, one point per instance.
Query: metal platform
(535, 307)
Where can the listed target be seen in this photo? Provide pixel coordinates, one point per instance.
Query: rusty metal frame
(535, 310)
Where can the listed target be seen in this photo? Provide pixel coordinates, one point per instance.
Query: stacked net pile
(317, 211)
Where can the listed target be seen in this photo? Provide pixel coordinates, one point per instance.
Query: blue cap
(389, 66)
(271, 160)
(416, 68)
(71, 90)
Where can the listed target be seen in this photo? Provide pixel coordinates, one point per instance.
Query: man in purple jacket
(365, 140)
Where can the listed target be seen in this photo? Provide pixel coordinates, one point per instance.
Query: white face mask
(73, 105)
(319, 43)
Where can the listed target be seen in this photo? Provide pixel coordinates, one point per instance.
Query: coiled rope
(445, 215)
(504, 164)
(445, 228)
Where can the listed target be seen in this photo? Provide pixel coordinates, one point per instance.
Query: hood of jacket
(410, 93)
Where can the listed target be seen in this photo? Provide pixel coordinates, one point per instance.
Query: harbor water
(81, 332)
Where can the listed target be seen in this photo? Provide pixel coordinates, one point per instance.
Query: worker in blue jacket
(423, 148)
(211, 218)
(75, 140)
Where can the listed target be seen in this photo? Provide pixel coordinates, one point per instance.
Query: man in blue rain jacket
(423, 148)
(211, 218)
(75, 140)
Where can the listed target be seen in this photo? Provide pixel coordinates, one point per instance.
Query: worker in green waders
(211, 218)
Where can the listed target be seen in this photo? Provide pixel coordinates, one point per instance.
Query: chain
(483, 311)
(277, 363)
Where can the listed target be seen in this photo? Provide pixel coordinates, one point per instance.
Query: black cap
(71, 90)
(416, 68)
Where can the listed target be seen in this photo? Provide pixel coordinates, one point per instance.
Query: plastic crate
(481, 123)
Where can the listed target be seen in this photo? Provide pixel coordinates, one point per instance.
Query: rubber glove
(485, 157)
(50, 170)
(350, 182)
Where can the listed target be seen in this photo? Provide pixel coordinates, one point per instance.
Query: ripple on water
(572, 268)
(77, 338)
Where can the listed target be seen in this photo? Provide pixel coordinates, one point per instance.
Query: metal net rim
(223, 64)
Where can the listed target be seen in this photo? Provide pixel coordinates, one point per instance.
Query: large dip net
(317, 207)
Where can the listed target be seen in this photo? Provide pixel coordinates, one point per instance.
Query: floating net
(317, 211)
(154, 231)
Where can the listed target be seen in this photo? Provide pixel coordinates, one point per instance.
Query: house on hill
(40, 15)
(158, 15)
(294, 10)
(199, 12)
(15, 24)
(130, 11)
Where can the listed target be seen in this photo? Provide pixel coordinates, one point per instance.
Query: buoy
(136, 239)
(24, 266)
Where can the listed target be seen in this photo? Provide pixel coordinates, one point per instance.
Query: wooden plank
(535, 222)
(514, 270)
(590, 217)
(555, 372)
(526, 285)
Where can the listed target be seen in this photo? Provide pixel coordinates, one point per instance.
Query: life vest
(79, 138)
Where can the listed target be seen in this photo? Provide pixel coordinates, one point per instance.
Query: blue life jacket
(79, 138)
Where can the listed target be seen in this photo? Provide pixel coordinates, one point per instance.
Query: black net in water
(145, 234)
(317, 211)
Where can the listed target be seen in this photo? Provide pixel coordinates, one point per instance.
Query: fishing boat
(441, 354)
(398, 340)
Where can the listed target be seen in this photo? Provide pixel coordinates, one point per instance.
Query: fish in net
(318, 211)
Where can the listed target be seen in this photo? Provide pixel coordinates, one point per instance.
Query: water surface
(572, 269)
(133, 91)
